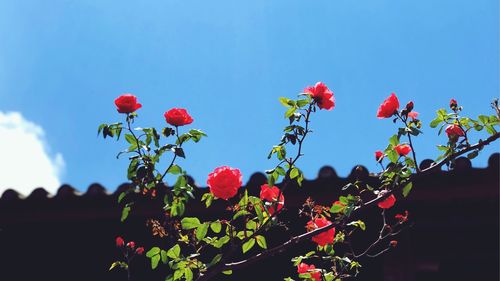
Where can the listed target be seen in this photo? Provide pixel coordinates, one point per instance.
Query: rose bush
(191, 249)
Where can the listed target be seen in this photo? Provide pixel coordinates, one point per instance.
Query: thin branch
(296, 239)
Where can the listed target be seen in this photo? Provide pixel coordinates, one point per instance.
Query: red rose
(321, 95)
(454, 130)
(379, 155)
(178, 117)
(453, 103)
(131, 244)
(402, 149)
(224, 182)
(270, 194)
(127, 103)
(413, 115)
(139, 251)
(388, 107)
(325, 237)
(393, 243)
(311, 269)
(119, 242)
(388, 202)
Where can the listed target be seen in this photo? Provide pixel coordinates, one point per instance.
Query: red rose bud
(323, 238)
(311, 269)
(224, 182)
(402, 149)
(321, 95)
(453, 104)
(379, 155)
(178, 117)
(393, 243)
(387, 203)
(270, 194)
(454, 130)
(119, 242)
(139, 251)
(409, 106)
(127, 103)
(388, 107)
(131, 245)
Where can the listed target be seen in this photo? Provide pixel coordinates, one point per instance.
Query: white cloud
(25, 163)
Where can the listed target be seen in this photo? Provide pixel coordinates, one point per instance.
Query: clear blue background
(62, 63)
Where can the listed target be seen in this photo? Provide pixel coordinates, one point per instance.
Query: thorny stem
(133, 134)
(175, 155)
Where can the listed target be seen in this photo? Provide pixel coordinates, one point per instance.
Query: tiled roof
(96, 190)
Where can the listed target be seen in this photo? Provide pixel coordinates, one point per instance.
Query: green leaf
(216, 226)
(286, 102)
(175, 170)
(240, 213)
(394, 140)
(407, 189)
(154, 261)
(290, 112)
(221, 242)
(201, 231)
(190, 223)
(163, 255)
(436, 122)
(125, 213)
(130, 139)
(302, 103)
(188, 274)
(294, 173)
(153, 252)
(248, 245)
(174, 252)
(178, 274)
(261, 241)
(227, 272)
(484, 119)
(337, 208)
(215, 260)
(179, 152)
(392, 155)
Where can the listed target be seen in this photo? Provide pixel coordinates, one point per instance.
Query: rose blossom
(224, 182)
(127, 103)
(387, 203)
(454, 130)
(139, 250)
(388, 107)
(321, 95)
(379, 155)
(402, 149)
(325, 237)
(178, 117)
(311, 269)
(270, 194)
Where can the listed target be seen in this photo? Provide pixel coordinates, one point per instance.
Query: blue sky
(62, 64)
